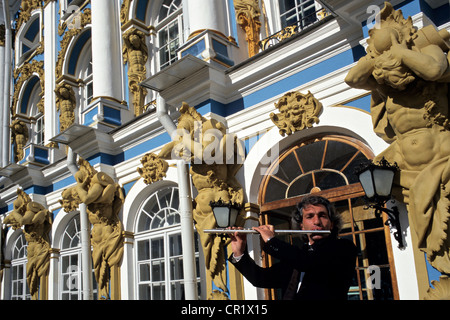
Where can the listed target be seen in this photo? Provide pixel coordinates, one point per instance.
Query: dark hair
(335, 217)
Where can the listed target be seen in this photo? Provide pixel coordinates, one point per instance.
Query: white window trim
(20, 55)
(176, 15)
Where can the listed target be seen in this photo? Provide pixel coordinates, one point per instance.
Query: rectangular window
(160, 267)
(19, 285)
(39, 131)
(169, 40)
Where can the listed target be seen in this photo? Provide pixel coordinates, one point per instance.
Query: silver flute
(275, 231)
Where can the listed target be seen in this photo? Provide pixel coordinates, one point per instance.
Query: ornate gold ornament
(124, 10)
(214, 157)
(19, 138)
(135, 53)
(65, 104)
(104, 199)
(26, 7)
(154, 168)
(406, 71)
(297, 112)
(37, 223)
(247, 16)
(441, 290)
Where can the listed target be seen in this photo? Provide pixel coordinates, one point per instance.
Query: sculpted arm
(87, 197)
(360, 75)
(429, 64)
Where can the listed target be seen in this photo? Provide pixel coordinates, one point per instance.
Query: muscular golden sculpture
(19, 138)
(135, 53)
(215, 158)
(407, 71)
(65, 104)
(104, 199)
(37, 222)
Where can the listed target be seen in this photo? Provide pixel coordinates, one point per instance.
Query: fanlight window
(313, 166)
(160, 210)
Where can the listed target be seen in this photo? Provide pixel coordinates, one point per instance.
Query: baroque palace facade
(104, 196)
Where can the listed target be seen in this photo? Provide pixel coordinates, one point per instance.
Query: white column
(206, 14)
(53, 275)
(50, 35)
(4, 147)
(6, 85)
(106, 49)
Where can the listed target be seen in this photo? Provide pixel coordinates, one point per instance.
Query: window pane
(158, 292)
(301, 186)
(143, 250)
(310, 155)
(338, 154)
(157, 246)
(144, 272)
(176, 268)
(175, 245)
(177, 290)
(144, 292)
(289, 168)
(277, 190)
(328, 179)
(157, 271)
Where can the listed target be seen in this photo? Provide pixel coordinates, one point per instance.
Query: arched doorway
(325, 165)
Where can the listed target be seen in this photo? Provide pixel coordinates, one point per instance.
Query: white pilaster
(127, 277)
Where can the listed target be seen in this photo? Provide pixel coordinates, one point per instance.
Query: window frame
(72, 273)
(36, 116)
(143, 241)
(17, 262)
(164, 25)
(22, 39)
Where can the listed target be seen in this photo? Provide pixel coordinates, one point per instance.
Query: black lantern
(225, 213)
(377, 180)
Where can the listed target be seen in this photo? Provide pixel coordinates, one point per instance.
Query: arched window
(312, 166)
(36, 115)
(29, 38)
(84, 72)
(19, 286)
(70, 284)
(159, 255)
(325, 165)
(170, 31)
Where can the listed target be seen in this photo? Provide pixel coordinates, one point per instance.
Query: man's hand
(238, 241)
(266, 231)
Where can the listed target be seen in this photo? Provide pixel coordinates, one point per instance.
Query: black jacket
(328, 267)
